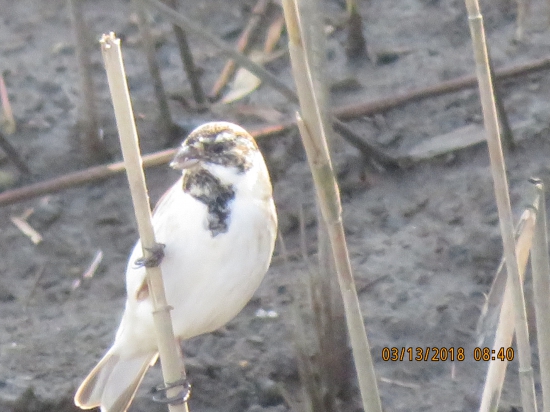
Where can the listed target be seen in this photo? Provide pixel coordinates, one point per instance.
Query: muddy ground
(424, 241)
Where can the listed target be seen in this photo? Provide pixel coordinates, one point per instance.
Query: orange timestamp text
(429, 353)
(442, 354)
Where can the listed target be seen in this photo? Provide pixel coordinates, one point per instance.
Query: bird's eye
(217, 148)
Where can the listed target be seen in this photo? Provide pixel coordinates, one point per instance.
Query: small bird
(218, 225)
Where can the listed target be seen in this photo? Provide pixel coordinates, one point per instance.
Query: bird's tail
(113, 383)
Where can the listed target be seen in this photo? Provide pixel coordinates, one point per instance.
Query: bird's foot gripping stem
(154, 260)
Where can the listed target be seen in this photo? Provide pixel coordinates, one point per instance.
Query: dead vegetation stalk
(449, 86)
(188, 62)
(523, 7)
(94, 174)
(356, 45)
(13, 155)
(7, 121)
(540, 266)
(90, 139)
(505, 128)
(505, 330)
(303, 348)
(191, 27)
(165, 118)
(334, 359)
(170, 353)
(242, 46)
(498, 171)
(315, 143)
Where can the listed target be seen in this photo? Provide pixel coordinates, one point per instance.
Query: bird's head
(217, 143)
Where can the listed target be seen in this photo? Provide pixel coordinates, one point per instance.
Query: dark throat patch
(208, 189)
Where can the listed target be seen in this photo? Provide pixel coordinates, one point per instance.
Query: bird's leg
(154, 259)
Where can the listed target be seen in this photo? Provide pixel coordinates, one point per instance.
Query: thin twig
(13, 155)
(8, 122)
(79, 178)
(505, 128)
(26, 229)
(169, 352)
(523, 7)
(37, 277)
(455, 85)
(188, 63)
(305, 367)
(274, 34)
(303, 239)
(344, 113)
(242, 46)
(369, 150)
(356, 45)
(186, 23)
(165, 117)
(354, 110)
(89, 121)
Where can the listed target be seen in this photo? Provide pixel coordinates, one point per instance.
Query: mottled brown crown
(220, 143)
(215, 131)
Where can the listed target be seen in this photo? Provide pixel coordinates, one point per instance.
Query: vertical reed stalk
(505, 329)
(498, 171)
(188, 62)
(89, 119)
(541, 287)
(315, 143)
(170, 354)
(165, 117)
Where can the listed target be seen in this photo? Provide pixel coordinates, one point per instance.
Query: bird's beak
(185, 158)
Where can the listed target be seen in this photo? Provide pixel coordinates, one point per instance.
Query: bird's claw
(154, 260)
(160, 396)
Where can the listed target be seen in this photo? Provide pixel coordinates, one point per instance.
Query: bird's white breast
(208, 279)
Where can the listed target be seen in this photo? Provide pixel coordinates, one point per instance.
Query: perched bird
(218, 224)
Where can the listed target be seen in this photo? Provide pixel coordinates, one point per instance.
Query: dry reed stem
(505, 329)
(326, 301)
(356, 45)
(13, 155)
(188, 62)
(490, 312)
(498, 171)
(315, 143)
(242, 46)
(89, 121)
(192, 27)
(170, 353)
(356, 327)
(523, 7)
(37, 276)
(82, 177)
(303, 349)
(505, 128)
(21, 223)
(382, 105)
(344, 112)
(540, 266)
(165, 118)
(8, 121)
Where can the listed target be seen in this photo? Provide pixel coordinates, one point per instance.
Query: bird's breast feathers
(219, 239)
